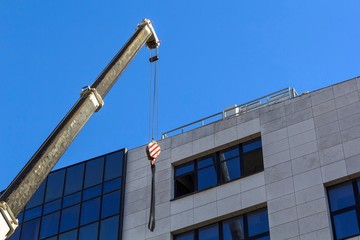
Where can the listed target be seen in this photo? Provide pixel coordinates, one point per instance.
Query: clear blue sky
(213, 54)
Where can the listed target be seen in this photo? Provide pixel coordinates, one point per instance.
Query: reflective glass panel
(38, 197)
(94, 172)
(55, 184)
(52, 206)
(258, 222)
(341, 196)
(230, 169)
(209, 232)
(233, 229)
(205, 162)
(32, 213)
(346, 224)
(74, 179)
(186, 236)
(110, 204)
(90, 211)
(92, 192)
(49, 225)
(30, 230)
(229, 153)
(89, 232)
(252, 145)
(113, 165)
(207, 177)
(109, 228)
(20, 217)
(184, 169)
(69, 218)
(72, 199)
(112, 185)
(16, 234)
(72, 235)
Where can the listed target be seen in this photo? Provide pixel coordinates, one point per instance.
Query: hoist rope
(154, 97)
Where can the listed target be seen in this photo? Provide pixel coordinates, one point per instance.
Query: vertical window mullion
(357, 200)
(241, 157)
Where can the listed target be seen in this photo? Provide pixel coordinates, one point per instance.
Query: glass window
(55, 184)
(49, 225)
(184, 180)
(52, 206)
(186, 236)
(94, 172)
(30, 230)
(253, 225)
(72, 235)
(258, 222)
(20, 217)
(252, 145)
(92, 192)
(69, 218)
(233, 229)
(89, 232)
(90, 211)
(209, 232)
(112, 185)
(253, 162)
(207, 176)
(346, 224)
(72, 199)
(74, 179)
(230, 169)
(109, 228)
(38, 196)
(32, 213)
(110, 204)
(114, 165)
(341, 196)
(16, 234)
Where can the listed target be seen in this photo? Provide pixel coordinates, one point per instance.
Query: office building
(284, 166)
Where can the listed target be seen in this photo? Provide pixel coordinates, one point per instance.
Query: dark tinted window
(52, 206)
(30, 230)
(209, 232)
(71, 199)
(90, 211)
(38, 197)
(92, 192)
(49, 225)
(74, 179)
(344, 201)
(253, 225)
(112, 185)
(32, 213)
(72, 235)
(223, 166)
(89, 232)
(94, 172)
(55, 185)
(109, 228)
(207, 176)
(69, 218)
(110, 204)
(258, 223)
(184, 180)
(233, 229)
(113, 165)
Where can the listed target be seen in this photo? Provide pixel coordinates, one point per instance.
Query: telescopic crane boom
(22, 188)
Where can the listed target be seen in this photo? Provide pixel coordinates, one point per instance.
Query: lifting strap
(153, 148)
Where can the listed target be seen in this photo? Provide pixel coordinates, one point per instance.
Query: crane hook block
(153, 151)
(153, 59)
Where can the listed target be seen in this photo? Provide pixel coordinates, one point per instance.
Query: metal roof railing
(236, 110)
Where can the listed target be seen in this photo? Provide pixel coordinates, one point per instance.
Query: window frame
(220, 227)
(355, 183)
(217, 166)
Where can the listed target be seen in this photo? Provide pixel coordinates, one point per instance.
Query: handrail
(236, 110)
